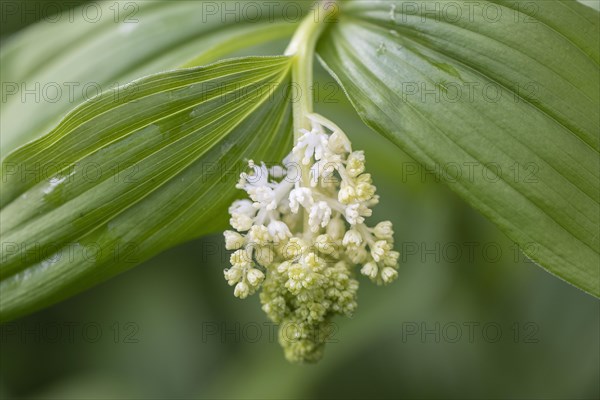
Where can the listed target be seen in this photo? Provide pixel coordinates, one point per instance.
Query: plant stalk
(302, 49)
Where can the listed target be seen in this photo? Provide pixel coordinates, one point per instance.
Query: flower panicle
(300, 234)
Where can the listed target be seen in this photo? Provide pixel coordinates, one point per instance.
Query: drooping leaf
(63, 60)
(498, 98)
(129, 174)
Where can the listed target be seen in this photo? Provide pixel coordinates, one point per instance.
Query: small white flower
(352, 214)
(391, 258)
(264, 197)
(370, 269)
(279, 230)
(320, 214)
(364, 191)
(326, 246)
(300, 196)
(311, 143)
(339, 143)
(388, 274)
(255, 277)
(240, 222)
(259, 234)
(241, 290)
(364, 211)
(259, 175)
(240, 258)
(233, 275)
(283, 267)
(352, 237)
(379, 250)
(294, 248)
(383, 230)
(264, 255)
(233, 240)
(346, 195)
(356, 163)
(243, 207)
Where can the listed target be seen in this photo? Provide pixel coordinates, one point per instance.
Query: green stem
(302, 49)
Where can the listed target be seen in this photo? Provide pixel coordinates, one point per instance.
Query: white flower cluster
(301, 234)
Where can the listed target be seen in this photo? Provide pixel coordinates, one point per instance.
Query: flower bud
(352, 237)
(240, 222)
(391, 258)
(380, 249)
(255, 277)
(388, 274)
(370, 269)
(336, 228)
(339, 143)
(233, 240)
(240, 258)
(383, 230)
(233, 275)
(259, 234)
(346, 194)
(241, 290)
(356, 163)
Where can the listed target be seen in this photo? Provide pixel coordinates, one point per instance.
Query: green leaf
(500, 99)
(103, 45)
(133, 172)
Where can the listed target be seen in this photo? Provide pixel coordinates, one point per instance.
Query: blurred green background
(469, 317)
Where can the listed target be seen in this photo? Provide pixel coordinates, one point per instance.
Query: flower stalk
(302, 49)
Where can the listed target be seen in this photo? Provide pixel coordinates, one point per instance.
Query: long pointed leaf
(500, 98)
(102, 45)
(127, 175)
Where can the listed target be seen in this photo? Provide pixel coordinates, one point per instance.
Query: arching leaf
(499, 98)
(131, 173)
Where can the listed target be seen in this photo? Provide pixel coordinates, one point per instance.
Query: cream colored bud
(352, 237)
(264, 255)
(255, 277)
(346, 194)
(379, 250)
(388, 274)
(259, 234)
(336, 228)
(364, 191)
(233, 240)
(355, 164)
(241, 290)
(240, 222)
(370, 269)
(391, 258)
(233, 275)
(339, 143)
(240, 258)
(383, 230)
